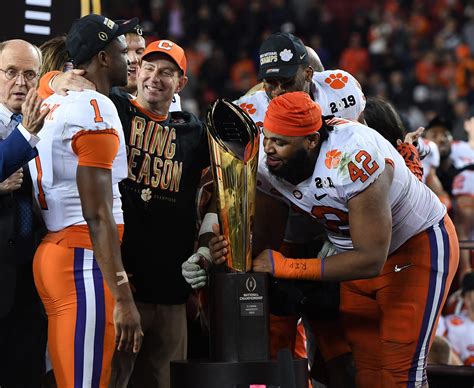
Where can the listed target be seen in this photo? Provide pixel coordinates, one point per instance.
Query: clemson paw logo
(146, 195)
(337, 81)
(248, 108)
(333, 158)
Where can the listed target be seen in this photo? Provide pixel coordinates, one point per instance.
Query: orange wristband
(302, 269)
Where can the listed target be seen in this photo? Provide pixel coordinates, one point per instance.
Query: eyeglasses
(10, 74)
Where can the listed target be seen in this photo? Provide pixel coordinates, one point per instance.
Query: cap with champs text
(169, 48)
(280, 56)
(293, 114)
(91, 33)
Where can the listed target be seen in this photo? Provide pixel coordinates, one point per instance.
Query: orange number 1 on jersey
(98, 118)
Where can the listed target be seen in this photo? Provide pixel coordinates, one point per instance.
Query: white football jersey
(463, 155)
(431, 160)
(54, 170)
(336, 91)
(459, 330)
(350, 160)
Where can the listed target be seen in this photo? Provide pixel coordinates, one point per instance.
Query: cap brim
(277, 72)
(126, 26)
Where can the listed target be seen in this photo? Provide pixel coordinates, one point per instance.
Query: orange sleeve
(302, 269)
(96, 148)
(44, 91)
(412, 158)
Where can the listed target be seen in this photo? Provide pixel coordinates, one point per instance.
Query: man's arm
(15, 151)
(370, 222)
(95, 190)
(18, 148)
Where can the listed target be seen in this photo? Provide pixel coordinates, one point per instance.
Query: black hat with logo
(91, 33)
(281, 54)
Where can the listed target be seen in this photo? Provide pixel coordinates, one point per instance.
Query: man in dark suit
(22, 319)
(15, 151)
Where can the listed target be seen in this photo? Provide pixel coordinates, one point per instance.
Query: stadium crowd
(412, 60)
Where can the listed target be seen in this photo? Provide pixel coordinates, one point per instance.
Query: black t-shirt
(165, 160)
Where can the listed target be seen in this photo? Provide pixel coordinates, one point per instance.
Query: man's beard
(294, 170)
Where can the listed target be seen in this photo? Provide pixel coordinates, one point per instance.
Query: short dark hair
(380, 115)
(439, 121)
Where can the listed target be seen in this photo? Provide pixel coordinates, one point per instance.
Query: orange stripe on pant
(80, 314)
(390, 320)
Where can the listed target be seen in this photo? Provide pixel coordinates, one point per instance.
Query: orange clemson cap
(169, 48)
(293, 114)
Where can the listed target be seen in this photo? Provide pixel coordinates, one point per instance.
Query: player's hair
(55, 55)
(439, 121)
(325, 128)
(380, 115)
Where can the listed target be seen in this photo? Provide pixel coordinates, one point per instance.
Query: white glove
(192, 272)
(327, 250)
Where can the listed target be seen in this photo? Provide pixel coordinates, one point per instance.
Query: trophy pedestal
(239, 340)
(205, 374)
(239, 317)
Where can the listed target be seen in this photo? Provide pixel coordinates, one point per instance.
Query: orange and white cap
(293, 114)
(169, 48)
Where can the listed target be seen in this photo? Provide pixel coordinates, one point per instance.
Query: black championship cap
(280, 56)
(91, 33)
(467, 283)
(136, 30)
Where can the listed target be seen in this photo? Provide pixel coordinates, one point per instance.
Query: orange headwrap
(293, 114)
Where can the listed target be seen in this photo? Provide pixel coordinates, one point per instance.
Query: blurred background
(418, 54)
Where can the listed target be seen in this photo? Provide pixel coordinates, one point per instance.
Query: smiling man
(167, 152)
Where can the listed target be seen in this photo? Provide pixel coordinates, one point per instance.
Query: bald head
(20, 64)
(19, 45)
(314, 60)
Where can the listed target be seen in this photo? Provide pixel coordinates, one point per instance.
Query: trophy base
(205, 374)
(238, 317)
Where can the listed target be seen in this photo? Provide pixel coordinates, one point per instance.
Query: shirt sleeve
(359, 167)
(30, 138)
(44, 89)
(96, 148)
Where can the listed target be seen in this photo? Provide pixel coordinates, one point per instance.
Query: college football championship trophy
(238, 302)
(238, 299)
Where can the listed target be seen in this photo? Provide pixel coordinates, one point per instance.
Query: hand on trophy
(328, 249)
(218, 246)
(193, 273)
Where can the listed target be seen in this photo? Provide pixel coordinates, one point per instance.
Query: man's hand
(71, 80)
(192, 272)
(328, 249)
(128, 330)
(33, 115)
(412, 137)
(263, 262)
(218, 246)
(12, 183)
